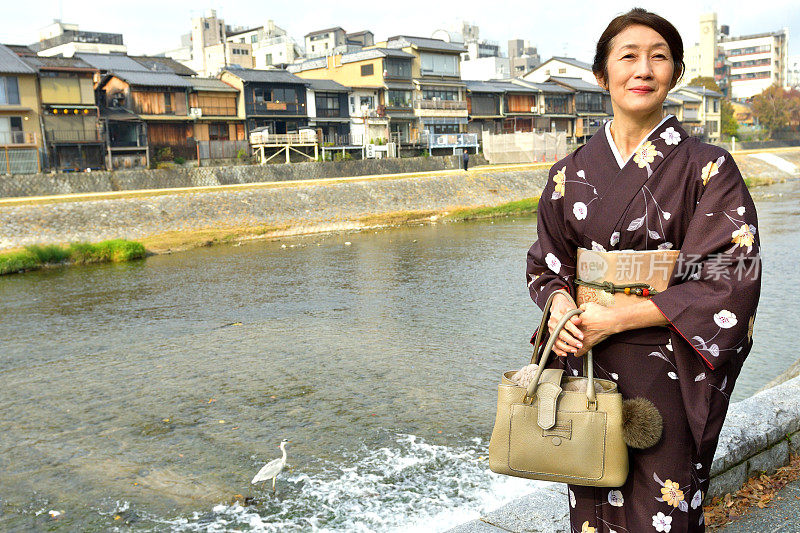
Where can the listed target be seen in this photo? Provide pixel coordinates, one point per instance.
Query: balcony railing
(440, 104)
(17, 137)
(72, 36)
(265, 137)
(323, 112)
(57, 136)
(341, 139)
(275, 108)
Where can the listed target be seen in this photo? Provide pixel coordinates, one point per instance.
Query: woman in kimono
(642, 183)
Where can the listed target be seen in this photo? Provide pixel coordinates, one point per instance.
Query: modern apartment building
(756, 62)
(522, 57)
(270, 45)
(66, 40)
(323, 42)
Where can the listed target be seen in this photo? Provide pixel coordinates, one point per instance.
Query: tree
(705, 81)
(728, 123)
(776, 108)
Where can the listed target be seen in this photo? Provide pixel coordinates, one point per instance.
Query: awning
(399, 86)
(443, 120)
(331, 120)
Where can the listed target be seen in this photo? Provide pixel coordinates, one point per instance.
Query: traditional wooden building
(273, 99)
(20, 133)
(328, 112)
(213, 109)
(592, 105)
(73, 135)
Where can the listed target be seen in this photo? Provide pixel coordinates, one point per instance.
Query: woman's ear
(601, 81)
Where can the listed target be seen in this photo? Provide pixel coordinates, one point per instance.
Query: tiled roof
(337, 28)
(328, 86)
(11, 63)
(701, 90)
(266, 76)
(478, 86)
(401, 41)
(373, 53)
(210, 84)
(45, 63)
(159, 64)
(151, 79)
(578, 84)
(112, 62)
(572, 61)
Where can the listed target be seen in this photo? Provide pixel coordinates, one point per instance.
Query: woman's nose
(644, 69)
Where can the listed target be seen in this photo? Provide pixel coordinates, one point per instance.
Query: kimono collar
(613, 145)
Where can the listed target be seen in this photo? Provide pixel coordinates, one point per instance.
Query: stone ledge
(758, 435)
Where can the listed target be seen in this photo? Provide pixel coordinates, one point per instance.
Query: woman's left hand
(597, 324)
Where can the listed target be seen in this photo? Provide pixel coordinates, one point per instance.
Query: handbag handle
(588, 368)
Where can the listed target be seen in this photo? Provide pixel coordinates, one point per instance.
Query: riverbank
(175, 219)
(37, 257)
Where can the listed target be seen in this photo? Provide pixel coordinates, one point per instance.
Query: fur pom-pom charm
(641, 423)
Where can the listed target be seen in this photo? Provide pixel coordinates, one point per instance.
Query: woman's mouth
(641, 89)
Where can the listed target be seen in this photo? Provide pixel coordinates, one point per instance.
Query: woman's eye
(628, 56)
(659, 56)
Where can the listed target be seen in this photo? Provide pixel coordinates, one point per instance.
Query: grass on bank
(36, 257)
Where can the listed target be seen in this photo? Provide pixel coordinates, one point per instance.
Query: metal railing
(17, 137)
(73, 136)
(440, 104)
(324, 112)
(341, 139)
(72, 36)
(264, 137)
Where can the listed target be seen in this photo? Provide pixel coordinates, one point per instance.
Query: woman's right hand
(569, 340)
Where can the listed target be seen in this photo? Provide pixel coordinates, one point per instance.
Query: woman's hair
(641, 16)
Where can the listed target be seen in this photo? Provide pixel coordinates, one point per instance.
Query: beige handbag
(546, 433)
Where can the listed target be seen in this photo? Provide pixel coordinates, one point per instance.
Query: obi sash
(621, 278)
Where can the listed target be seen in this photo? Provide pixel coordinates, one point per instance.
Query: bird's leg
(273, 484)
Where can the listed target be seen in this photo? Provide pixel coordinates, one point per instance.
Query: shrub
(165, 154)
(179, 160)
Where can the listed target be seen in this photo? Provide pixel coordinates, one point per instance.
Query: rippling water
(146, 395)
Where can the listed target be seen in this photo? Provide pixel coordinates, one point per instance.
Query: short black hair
(637, 15)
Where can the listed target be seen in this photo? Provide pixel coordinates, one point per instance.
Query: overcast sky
(566, 27)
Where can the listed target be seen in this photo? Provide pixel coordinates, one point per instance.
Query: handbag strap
(588, 364)
(543, 325)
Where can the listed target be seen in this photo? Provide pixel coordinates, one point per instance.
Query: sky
(566, 27)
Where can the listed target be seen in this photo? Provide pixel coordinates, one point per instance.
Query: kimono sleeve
(712, 297)
(552, 258)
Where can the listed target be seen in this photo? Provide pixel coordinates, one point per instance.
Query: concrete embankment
(175, 218)
(758, 436)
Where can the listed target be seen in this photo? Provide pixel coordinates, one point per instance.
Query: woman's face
(640, 72)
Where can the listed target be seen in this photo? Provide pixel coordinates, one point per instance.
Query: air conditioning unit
(533, 109)
(195, 112)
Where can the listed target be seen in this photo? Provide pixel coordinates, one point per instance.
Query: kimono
(678, 193)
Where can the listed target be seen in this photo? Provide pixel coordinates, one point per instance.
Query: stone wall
(128, 180)
(293, 208)
(758, 436)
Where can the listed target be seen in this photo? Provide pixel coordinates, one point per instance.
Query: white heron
(272, 468)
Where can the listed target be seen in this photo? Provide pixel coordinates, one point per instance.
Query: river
(145, 396)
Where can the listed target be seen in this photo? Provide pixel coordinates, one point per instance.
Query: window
(254, 38)
(439, 94)
(218, 131)
(716, 106)
(367, 70)
(268, 59)
(397, 68)
(399, 98)
(284, 95)
(241, 39)
(9, 90)
(562, 71)
(366, 101)
(261, 95)
(439, 64)
(327, 104)
(206, 25)
(589, 102)
(167, 102)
